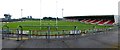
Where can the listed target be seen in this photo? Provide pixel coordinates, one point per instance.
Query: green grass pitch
(80, 26)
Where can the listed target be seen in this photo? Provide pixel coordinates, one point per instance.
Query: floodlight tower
(21, 12)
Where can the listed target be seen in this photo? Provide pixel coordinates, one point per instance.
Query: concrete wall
(116, 17)
(119, 20)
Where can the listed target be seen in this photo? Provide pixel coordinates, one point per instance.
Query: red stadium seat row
(99, 22)
(110, 22)
(95, 21)
(102, 22)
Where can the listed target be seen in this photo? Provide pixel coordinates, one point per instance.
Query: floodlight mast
(21, 12)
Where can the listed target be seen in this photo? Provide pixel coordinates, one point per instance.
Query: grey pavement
(101, 40)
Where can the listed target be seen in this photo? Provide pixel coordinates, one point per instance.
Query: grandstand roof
(91, 16)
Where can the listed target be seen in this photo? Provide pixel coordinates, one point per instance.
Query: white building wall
(116, 19)
(119, 20)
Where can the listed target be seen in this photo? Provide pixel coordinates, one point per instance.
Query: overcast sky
(48, 7)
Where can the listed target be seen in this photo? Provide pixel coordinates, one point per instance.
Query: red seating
(89, 20)
(103, 21)
(95, 21)
(99, 22)
(83, 20)
(92, 21)
(110, 22)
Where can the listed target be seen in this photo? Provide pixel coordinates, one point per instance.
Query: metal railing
(48, 33)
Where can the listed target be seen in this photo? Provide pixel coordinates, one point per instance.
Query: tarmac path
(101, 40)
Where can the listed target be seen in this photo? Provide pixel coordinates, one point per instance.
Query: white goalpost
(40, 12)
(56, 13)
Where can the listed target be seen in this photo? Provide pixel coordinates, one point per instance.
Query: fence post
(17, 34)
(21, 31)
(48, 35)
(59, 35)
(30, 33)
(2, 33)
(5, 33)
(57, 32)
(75, 29)
(8, 33)
(63, 32)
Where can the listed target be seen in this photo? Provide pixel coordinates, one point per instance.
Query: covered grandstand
(95, 19)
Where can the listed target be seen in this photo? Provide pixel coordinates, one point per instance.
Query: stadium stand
(95, 19)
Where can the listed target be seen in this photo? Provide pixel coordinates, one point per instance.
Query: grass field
(65, 25)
